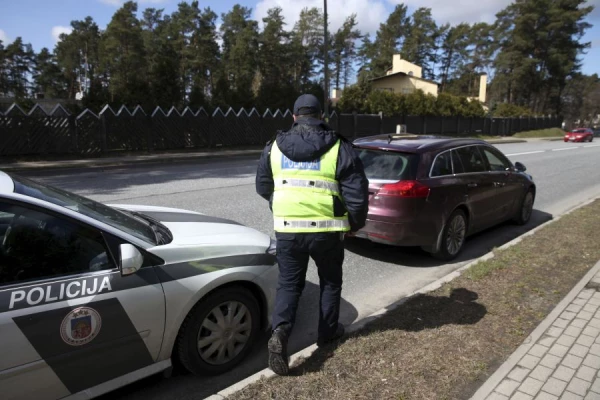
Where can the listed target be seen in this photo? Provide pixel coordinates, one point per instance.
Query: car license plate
(571, 139)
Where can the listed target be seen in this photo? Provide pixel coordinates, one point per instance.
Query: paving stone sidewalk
(564, 362)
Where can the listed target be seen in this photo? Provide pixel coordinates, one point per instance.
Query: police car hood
(197, 235)
(307, 141)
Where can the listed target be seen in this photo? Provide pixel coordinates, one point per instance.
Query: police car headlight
(272, 249)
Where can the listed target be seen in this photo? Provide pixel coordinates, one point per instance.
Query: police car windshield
(87, 207)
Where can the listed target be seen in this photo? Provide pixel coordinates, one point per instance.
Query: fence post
(210, 129)
(149, 133)
(381, 131)
(103, 134)
(73, 130)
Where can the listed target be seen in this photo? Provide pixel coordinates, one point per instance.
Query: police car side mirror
(131, 259)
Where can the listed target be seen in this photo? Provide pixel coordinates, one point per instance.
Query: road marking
(566, 148)
(592, 145)
(529, 152)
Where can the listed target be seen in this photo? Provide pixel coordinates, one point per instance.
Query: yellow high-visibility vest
(304, 193)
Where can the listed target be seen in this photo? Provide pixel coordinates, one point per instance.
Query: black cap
(307, 104)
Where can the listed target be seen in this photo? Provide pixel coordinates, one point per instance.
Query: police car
(94, 296)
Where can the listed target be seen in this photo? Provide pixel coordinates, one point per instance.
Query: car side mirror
(520, 167)
(131, 259)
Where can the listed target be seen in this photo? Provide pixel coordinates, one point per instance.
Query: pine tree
(453, 52)
(162, 60)
(239, 60)
(47, 76)
(19, 60)
(3, 71)
(540, 45)
(420, 46)
(344, 51)
(275, 61)
(390, 37)
(77, 55)
(123, 57)
(307, 39)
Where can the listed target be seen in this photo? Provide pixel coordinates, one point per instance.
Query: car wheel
(591, 138)
(219, 331)
(453, 236)
(526, 209)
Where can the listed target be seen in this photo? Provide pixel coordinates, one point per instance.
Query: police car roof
(6, 183)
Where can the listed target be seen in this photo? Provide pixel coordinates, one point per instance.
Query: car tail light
(404, 189)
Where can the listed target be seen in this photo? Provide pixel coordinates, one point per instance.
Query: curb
(308, 351)
(488, 387)
(127, 160)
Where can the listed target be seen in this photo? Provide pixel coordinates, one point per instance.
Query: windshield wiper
(162, 233)
(157, 234)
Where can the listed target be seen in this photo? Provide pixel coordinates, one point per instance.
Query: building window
(407, 90)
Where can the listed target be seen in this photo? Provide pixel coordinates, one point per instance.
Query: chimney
(482, 88)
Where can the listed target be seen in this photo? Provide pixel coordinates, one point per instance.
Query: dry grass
(444, 345)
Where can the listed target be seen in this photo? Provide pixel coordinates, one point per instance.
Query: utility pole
(326, 60)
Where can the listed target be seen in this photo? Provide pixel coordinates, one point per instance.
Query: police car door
(69, 319)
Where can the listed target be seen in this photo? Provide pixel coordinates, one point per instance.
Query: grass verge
(542, 133)
(445, 344)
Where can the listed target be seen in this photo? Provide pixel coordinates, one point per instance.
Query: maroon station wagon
(433, 191)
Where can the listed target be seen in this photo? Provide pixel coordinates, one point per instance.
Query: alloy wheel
(527, 208)
(224, 332)
(456, 234)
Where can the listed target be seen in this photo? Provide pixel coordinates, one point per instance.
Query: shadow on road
(420, 313)
(115, 180)
(183, 385)
(474, 247)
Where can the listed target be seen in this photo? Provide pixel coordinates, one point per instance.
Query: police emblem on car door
(80, 326)
(66, 307)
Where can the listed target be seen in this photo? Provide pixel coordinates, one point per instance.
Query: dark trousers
(293, 252)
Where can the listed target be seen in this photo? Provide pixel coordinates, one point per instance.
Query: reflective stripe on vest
(331, 187)
(282, 224)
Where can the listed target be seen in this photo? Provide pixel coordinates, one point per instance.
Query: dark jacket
(308, 140)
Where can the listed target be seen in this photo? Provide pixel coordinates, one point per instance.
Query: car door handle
(472, 185)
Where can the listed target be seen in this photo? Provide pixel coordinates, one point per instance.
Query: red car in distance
(579, 135)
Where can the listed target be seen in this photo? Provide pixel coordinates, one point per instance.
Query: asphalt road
(374, 275)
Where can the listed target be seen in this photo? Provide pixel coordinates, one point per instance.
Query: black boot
(278, 358)
(339, 332)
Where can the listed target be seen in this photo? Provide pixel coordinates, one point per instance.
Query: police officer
(317, 191)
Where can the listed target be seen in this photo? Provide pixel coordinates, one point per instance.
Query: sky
(40, 22)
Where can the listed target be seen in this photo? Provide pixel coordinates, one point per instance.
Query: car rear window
(387, 165)
(579, 131)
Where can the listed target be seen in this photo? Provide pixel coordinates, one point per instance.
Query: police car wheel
(219, 331)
